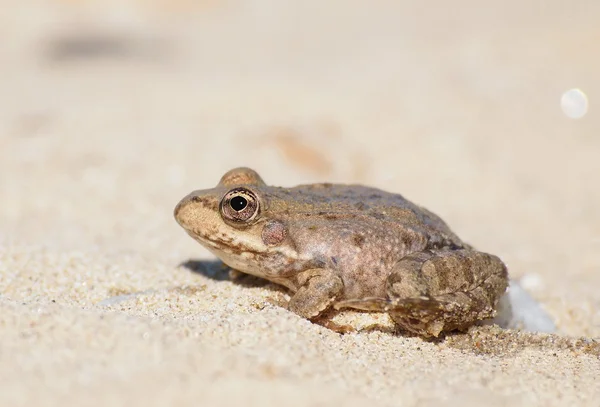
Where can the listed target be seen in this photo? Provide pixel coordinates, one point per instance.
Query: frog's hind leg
(438, 291)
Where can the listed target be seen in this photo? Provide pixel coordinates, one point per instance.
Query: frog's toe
(334, 326)
(428, 316)
(374, 304)
(416, 305)
(420, 315)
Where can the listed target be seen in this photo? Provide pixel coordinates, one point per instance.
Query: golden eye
(240, 205)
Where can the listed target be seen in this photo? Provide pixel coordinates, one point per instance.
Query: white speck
(574, 103)
(531, 281)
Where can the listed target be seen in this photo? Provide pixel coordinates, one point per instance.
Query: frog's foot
(374, 304)
(426, 317)
(318, 290)
(326, 322)
(422, 316)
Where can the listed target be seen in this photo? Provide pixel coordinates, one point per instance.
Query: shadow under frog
(219, 271)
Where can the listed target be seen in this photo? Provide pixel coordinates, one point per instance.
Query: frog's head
(232, 221)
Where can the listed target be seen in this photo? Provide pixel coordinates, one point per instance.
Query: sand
(110, 112)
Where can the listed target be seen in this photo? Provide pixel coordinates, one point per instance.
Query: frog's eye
(239, 205)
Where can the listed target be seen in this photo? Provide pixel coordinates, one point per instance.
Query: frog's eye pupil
(238, 203)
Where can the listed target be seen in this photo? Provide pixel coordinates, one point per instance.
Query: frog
(347, 246)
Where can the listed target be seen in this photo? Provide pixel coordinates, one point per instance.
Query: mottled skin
(346, 246)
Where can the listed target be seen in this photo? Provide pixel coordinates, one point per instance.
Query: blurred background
(111, 111)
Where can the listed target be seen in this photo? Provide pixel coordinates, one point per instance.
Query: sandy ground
(110, 112)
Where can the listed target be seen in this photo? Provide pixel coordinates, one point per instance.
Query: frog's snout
(183, 210)
(177, 210)
(196, 209)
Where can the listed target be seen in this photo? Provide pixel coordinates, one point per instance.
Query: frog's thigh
(318, 290)
(431, 292)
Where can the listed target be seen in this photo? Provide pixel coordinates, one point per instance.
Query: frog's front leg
(438, 291)
(318, 290)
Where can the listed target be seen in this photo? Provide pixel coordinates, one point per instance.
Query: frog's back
(365, 205)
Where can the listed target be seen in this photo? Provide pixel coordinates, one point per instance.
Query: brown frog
(346, 246)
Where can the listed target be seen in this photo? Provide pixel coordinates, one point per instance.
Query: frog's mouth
(224, 245)
(234, 254)
(262, 262)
